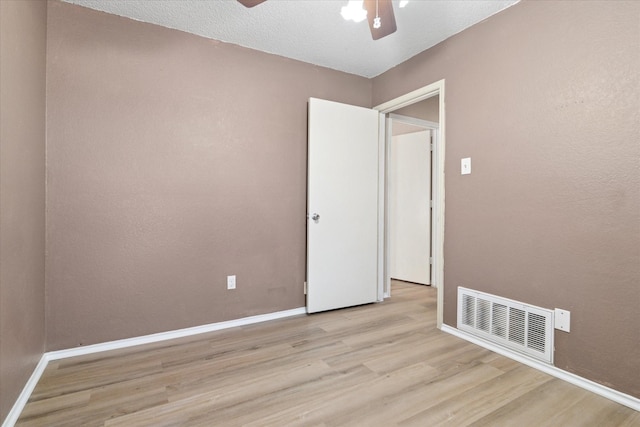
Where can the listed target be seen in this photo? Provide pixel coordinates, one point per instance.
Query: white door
(342, 206)
(409, 207)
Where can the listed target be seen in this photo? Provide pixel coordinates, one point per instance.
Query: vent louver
(518, 326)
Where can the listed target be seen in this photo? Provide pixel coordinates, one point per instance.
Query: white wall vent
(521, 327)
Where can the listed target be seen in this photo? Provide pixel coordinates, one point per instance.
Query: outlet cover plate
(562, 320)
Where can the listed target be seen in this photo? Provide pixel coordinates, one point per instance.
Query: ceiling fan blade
(250, 3)
(387, 18)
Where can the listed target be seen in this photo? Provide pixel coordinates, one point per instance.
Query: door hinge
(431, 147)
(431, 204)
(305, 288)
(430, 260)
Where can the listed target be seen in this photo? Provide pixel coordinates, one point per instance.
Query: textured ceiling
(311, 30)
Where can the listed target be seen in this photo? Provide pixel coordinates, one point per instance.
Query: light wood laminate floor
(376, 365)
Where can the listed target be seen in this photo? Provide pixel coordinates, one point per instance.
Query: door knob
(315, 217)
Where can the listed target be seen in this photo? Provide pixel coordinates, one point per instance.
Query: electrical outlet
(231, 282)
(562, 320)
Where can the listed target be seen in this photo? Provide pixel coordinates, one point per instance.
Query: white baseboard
(18, 406)
(599, 389)
(178, 333)
(23, 398)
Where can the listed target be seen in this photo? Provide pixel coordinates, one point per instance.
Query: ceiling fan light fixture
(354, 11)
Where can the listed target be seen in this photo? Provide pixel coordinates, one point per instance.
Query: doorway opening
(410, 139)
(405, 104)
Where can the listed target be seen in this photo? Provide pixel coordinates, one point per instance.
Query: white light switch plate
(465, 166)
(562, 320)
(231, 282)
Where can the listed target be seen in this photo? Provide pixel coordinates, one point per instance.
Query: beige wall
(545, 99)
(22, 188)
(428, 109)
(173, 161)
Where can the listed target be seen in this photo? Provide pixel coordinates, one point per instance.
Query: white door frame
(426, 124)
(417, 95)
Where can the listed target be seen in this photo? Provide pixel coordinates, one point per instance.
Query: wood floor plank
(536, 407)
(590, 410)
(345, 402)
(374, 365)
(414, 397)
(633, 420)
(479, 400)
(56, 404)
(187, 404)
(85, 378)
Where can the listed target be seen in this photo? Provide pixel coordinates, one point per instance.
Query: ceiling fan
(382, 21)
